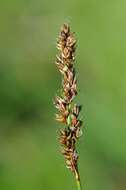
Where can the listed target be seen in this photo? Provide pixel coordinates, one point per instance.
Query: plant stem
(77, 176)
(79, 185)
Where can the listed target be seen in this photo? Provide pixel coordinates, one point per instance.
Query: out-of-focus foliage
(29, 153)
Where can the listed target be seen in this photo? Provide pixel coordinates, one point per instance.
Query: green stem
(77, 176)
(79, 185)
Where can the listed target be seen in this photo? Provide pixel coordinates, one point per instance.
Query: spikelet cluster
(68, 111)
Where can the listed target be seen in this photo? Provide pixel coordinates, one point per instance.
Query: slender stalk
(78, 185)
(78, 181)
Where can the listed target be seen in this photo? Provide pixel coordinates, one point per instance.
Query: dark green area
(29, 152)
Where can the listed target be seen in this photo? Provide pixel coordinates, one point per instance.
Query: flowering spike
(68, 110)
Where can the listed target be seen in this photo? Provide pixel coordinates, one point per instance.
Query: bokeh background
(29, 152)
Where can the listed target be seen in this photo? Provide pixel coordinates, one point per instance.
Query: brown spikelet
(68, 110)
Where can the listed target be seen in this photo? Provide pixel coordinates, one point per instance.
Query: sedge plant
(68, 110)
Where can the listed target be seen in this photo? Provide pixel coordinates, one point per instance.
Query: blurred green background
(29, 151)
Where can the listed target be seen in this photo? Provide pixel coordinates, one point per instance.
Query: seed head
(68, 110)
